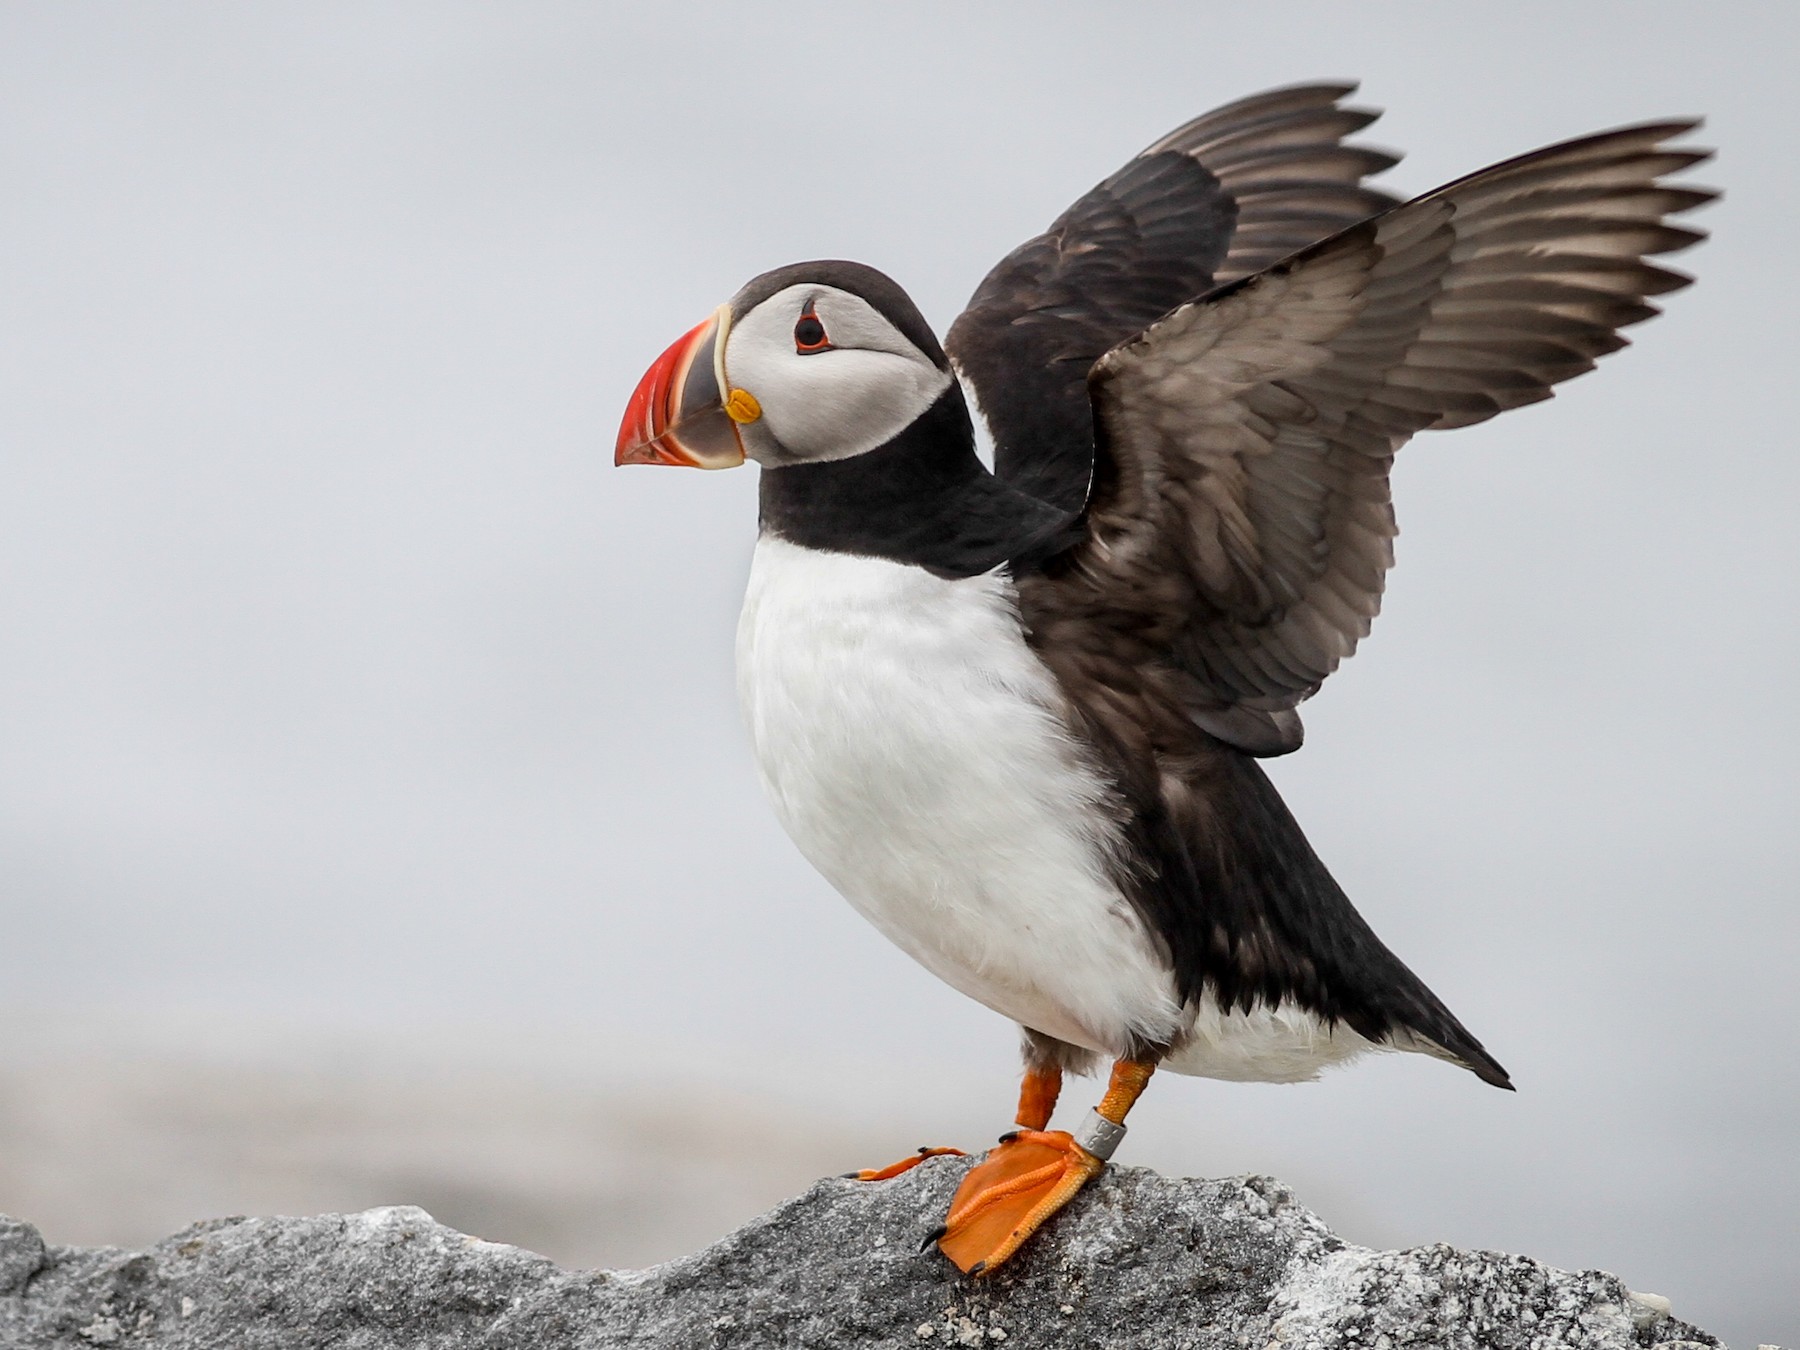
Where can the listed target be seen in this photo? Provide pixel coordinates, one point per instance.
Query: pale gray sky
(345, 685)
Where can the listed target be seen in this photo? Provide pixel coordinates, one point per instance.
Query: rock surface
(1140, 1261)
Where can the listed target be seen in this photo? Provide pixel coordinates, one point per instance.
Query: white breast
(907, 738)
(909, 741)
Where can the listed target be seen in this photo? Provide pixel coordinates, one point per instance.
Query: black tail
(1249, 915)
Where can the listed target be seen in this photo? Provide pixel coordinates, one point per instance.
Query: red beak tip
(647, 435)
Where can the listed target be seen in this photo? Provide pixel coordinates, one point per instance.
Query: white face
(833, 377)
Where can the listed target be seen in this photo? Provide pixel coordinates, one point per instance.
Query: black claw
(933, 1236)
(979, 1268)
(1009, 1136)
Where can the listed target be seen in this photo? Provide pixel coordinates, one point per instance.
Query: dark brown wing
(1223, 196)
(1241, 530)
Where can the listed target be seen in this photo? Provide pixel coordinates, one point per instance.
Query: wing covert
(1218, 198)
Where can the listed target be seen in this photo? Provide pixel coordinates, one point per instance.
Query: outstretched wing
(1240, 524)
(1220, 198)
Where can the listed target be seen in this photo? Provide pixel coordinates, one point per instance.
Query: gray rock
(1139, 1261)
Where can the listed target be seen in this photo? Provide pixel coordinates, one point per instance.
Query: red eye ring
(809, 334)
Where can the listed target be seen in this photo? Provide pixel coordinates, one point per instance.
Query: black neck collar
(923, 498)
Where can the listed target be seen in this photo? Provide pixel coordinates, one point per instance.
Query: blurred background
(375, 825)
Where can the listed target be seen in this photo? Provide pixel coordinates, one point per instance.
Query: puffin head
(815, 362)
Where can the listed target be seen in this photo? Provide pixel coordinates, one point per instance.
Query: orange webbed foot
(906, 1164)
(1010, 1194)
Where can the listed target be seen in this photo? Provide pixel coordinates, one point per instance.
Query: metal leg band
(1098, 1135)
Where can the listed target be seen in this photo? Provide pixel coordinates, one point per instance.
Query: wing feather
(1221, 197)
(1248, 435)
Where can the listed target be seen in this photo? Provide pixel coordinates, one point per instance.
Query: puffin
(1014, 714)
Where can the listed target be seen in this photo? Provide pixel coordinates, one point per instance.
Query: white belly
(909, 742)
(906, 737)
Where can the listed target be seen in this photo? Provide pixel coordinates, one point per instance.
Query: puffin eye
(809, 333)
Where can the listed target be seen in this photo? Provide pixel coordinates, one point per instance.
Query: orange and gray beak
(683, 410)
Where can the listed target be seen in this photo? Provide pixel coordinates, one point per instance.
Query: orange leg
(1035, 1172)
(1037, 1099)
